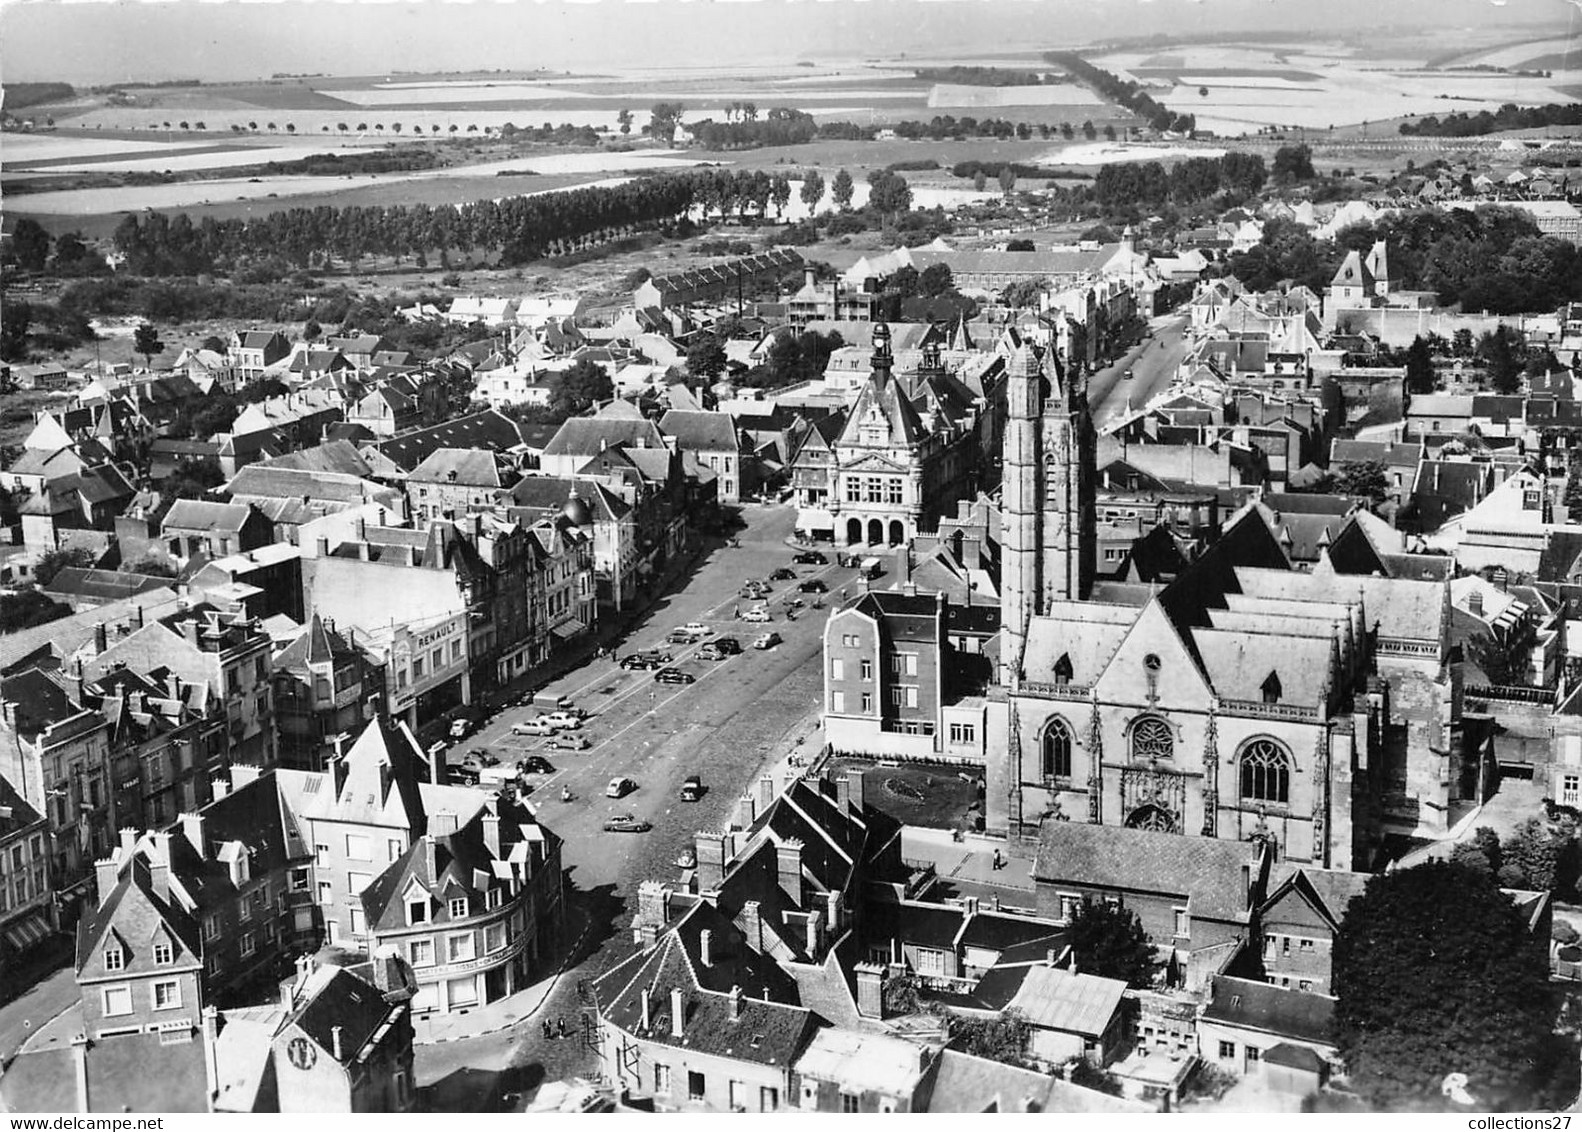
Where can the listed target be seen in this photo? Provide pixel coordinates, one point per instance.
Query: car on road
(758, 615)
(756, 589)
(619, 787)
(564, 741)
(810, 558)
(767, 641)
(539, 726)
(460, 728)
(482, 756)
(564, 720)
(679, 637)
(696, 628)
(783, 574)
(813, 586)
(535, 764)
(720, 649)
(1127, 375)
(626, 823)
(674, 676)
(462, 775)
(692, 789)
(641, 660)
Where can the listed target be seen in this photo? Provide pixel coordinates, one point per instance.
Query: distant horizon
(118, 42)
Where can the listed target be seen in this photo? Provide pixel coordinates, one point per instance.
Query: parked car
(534, 764)
(539, 726)
(626, 823)
(783, 574)
(813, 586)
(696, 628)
(692, 789)
(674, 676)
(619, 787)
(810, 558)
(756, 590)
(758, 615)
(641, 660)
(460, 728)
(767, 641)
(720, 649)
(564, 720)
(679, 637)
(482, 756)
(566, 741)
(462, 775)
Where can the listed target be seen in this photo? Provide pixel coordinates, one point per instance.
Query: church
(1315, 711)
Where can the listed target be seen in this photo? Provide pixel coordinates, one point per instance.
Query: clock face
(300, 1052)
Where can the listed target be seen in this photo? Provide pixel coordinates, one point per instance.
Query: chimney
(428, 856)
(855, 790)
(807, 275)
(106, 873)
(137, 616)
(336, 1045)
(1049, 957)
(647, 1001)
(753, 925)
(710, 849)
(835, 911)
(128, 842)
(788, 856)
(814, 932)
(843, 792)
(173, 686)
(746, 811)
(219, 787)
(100, 638)
(706, 947)
(442, 824)
(159, 878)
(1475, 603)
(870, 990)
(766, 793)
(736, 1004)
(678, 1007)
(323, 547)
(491, 833)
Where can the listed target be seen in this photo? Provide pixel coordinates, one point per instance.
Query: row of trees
(780, 127)
(1508, 117)
(1149, 183)
(1128, 94)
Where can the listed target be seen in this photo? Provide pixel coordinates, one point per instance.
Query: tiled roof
(1254, 1005)
(84, 584)
(490, 430)
(588, 436)
(700, 431)
(1206, 870)
(1056, 999)
(345, 1002)
(200, 515)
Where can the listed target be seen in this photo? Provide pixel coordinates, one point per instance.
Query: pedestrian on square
(543, 1025)
(561, 1025)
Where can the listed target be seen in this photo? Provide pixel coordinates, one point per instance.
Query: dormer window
(1271, 688)
(114, 958)
(1063, 669)
(493, 897)
(458, 908)
(164, 954)
(416, 912)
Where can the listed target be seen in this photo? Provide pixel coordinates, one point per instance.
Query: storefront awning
(27, 932)
(812, 519)
(567, 630)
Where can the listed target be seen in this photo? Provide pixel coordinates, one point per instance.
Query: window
(911, 696)
(897, 696)
(661, 1079)
(1304, 945)
(326, 892)
(297, 880)
(1254, 1056)
(114, 958)
(930, 961)
(211, 928)
(1057, 750)
(321, 855)
(1227, 1051)
(837, 702)
(359, 848)
(1570, 788)
(1304, 984)
(892, 490)
(356, 882)
(853, 490)
(1183, 924)
(1285, 945)
(837, 669)
(494, 898)
(247, 944)
(164, 954)
(1265, 772)
(963, 733)
(911, 664)
(167, 994)
(768, 1098)
(417, 911)
(393, 847)
(849, 1102)
(1068, 905)
(458, 908)
(867, 701)
(118, 1000)
(493, 938)
(867, 670)
(848, 640)
(436, 659)
(696, 1086)
(417, 668)
(1152, 739)
(460, 948)
(421, 952)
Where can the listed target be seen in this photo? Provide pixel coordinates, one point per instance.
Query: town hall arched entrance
(897, 532)
(853, 532)
(875, 532)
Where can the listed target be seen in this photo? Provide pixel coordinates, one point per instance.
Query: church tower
(1048, 516)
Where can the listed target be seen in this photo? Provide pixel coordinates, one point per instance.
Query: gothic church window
(1057, 750)
(1152, 739)
(1265, 772)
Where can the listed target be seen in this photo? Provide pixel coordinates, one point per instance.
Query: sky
(101, 41)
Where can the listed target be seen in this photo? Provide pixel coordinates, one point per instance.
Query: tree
(1001, 1037)
(1368, 478)
(1109, 940)
(1066, 131)
(28, 609)
(52, 562)
(1539, 856)
(151, 565)
(623, 118)
(15, 317)
(980, 181)
(1503, 657)
(1202, 92)
(1481, 853)
(1007, 179)
(935, 280)
(581, 387)
(1088, 131)
(888, 193)
(841, 189)
(1419, 367)
(664, 120)
(1023, 294)
(1498, 353)
(1435, 972)
(1020, 245)
(1293, 164)
(904, 281)
(145, 341)
(311, 330)
(706, 357)
(30, 244)
(812, 191)
(1109, 132)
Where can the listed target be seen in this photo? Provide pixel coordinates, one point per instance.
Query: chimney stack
(648, 1009)
(678, 1007)
(736, 1004)
(753, 925)
(106, 874)
(788, 856)
(338, 1047)
(100, 638)
(706, 947)
(491, 833)
(192, 830)
(870, 990)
